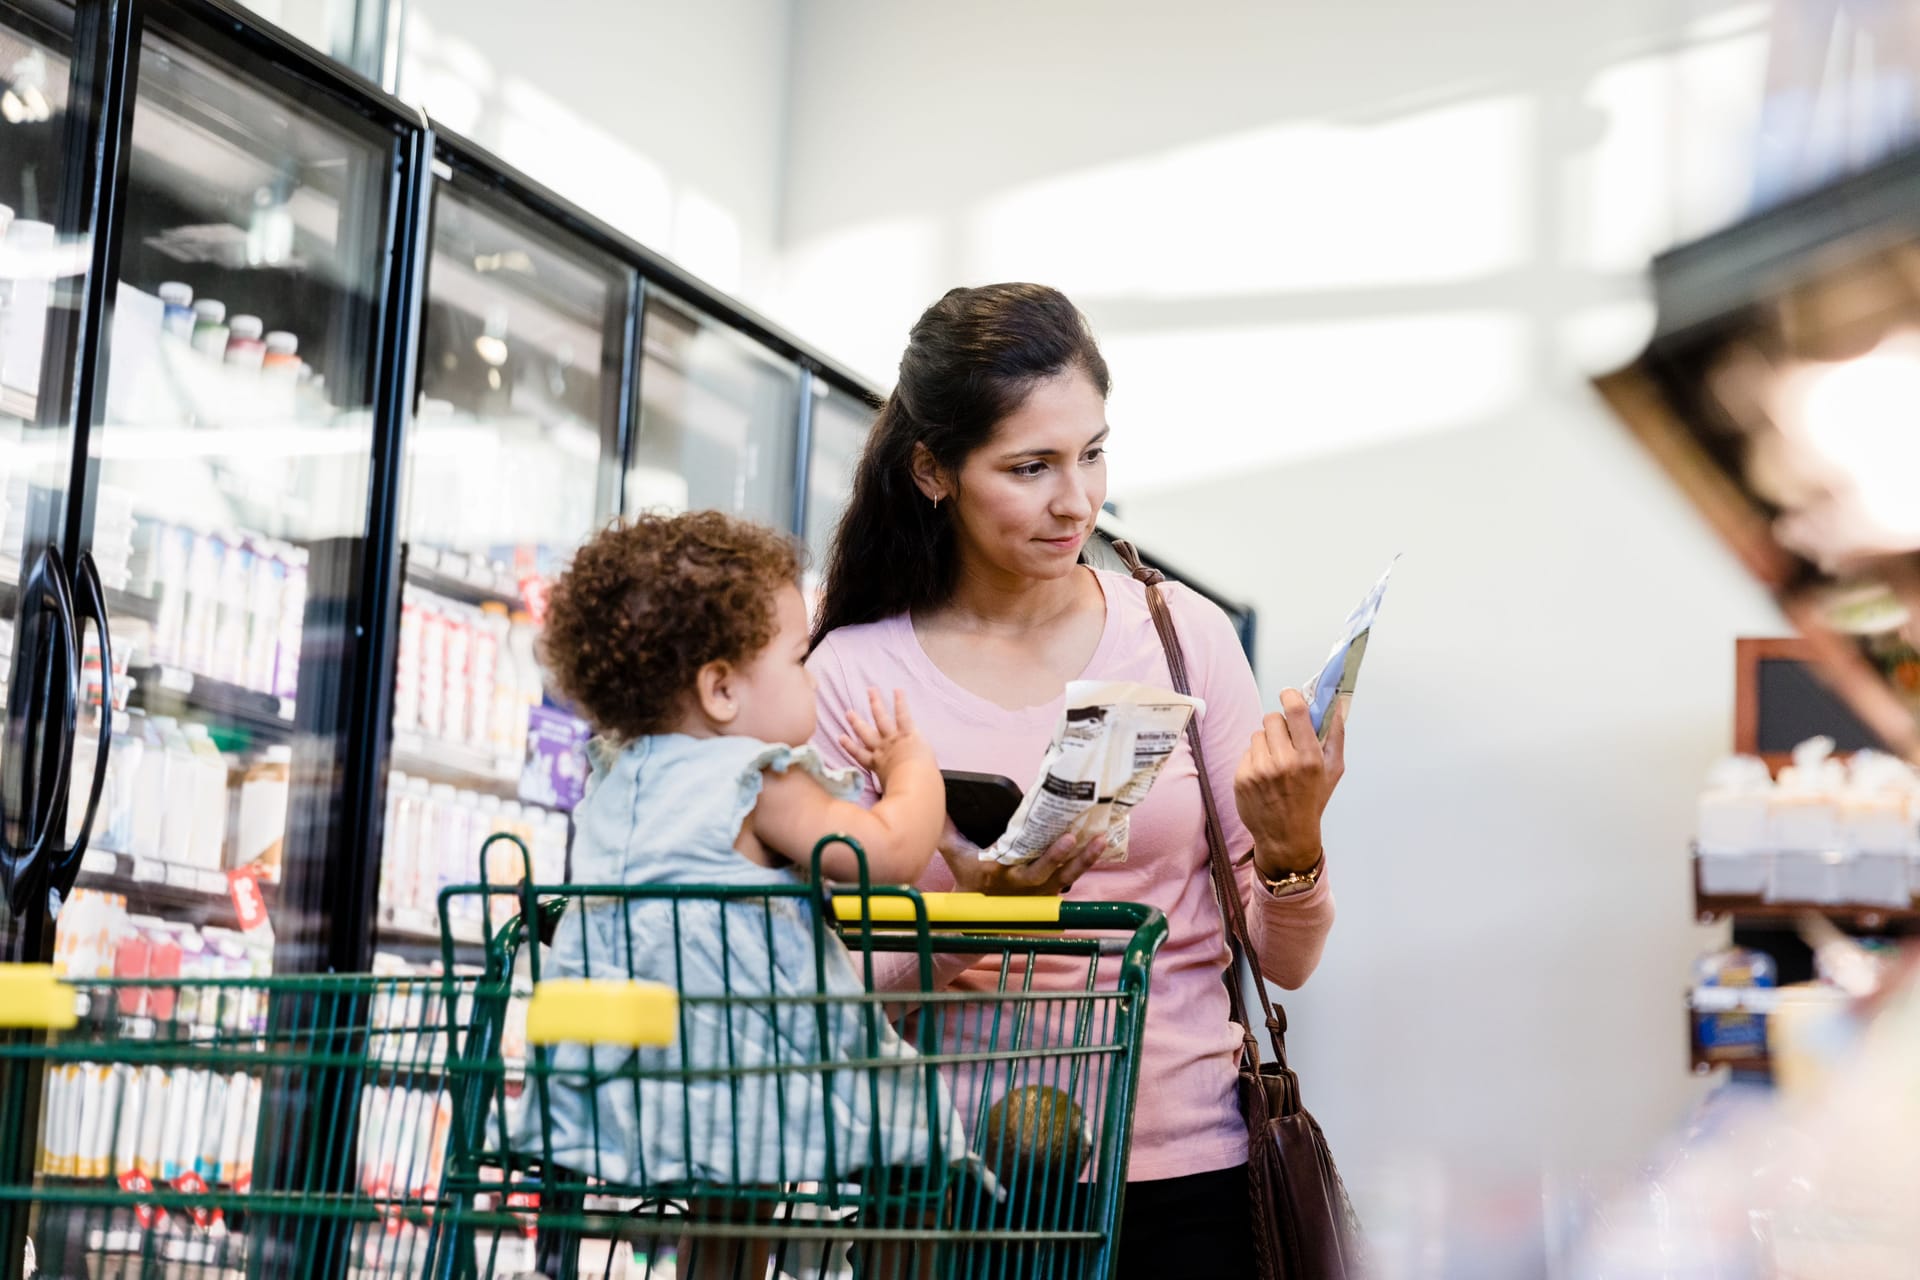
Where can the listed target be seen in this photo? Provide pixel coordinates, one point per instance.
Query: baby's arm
(899, 833)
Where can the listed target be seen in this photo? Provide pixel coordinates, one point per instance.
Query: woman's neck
(987, 601)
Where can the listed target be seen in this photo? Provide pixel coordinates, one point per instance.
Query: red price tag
(529, 1201)
(132, 1180)
(248, 902)
(192, 1184)
(534, 590)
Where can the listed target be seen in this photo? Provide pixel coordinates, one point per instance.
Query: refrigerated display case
(837, 431)
(45, 218)
(513, 459)
(231, 483)
(718, 411)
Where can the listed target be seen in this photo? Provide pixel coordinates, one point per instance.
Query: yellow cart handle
(951, 908)
(31, 996)
(602, 1011)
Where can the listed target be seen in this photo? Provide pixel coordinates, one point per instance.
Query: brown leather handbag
(1304, 1226)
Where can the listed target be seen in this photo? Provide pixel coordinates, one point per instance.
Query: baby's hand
(889, 741)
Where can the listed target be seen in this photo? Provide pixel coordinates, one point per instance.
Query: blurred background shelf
(456, 765)
(188, 895)
(173, 691)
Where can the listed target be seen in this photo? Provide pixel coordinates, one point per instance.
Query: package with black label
(1112, 740)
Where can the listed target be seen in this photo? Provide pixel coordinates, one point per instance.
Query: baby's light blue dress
(666, 810)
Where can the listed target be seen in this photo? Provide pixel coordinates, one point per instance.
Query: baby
(683, 640)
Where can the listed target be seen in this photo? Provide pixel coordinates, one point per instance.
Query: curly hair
(650, 600)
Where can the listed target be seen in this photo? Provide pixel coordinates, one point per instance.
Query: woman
(955, 576)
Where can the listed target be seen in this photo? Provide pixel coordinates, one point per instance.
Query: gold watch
(1294, 882)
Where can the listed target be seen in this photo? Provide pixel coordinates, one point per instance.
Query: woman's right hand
(1053, 872)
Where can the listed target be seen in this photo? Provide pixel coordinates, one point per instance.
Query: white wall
(664, 119)
(1349, 263)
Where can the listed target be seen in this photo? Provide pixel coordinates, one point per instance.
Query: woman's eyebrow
(1048, 453)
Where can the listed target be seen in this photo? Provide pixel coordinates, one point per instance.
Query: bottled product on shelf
(166, 1124)
(466, 678)
(434, 834)
(174, 801)
(229, 605)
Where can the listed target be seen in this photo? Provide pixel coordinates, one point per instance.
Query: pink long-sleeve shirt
(1186, 1120)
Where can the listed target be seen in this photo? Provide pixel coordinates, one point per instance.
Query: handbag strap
(1226, 886)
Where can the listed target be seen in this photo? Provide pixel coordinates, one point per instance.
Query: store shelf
(457, 577)
(458, 766)
(415, 938)
(173, 691)
(177, 893)
(1754, 909)
(1758, 1065)
(120, 604)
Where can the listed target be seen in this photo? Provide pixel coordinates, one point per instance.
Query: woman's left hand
(1284, 782)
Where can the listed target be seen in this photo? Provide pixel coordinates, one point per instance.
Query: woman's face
(1026, 499)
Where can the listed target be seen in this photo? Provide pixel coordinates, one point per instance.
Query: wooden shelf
(1753, 909)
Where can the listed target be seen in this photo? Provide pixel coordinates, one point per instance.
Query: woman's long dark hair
(970, 361)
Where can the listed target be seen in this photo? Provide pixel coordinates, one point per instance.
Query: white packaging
(266, 791)
(233, 1133)
(228, 658)
(491, 688)
(1341, 671)
(156, 1092)
(240, 1174)
(124, 761)
(28, 295)
(1110, 744)
(446, 829)
(1734, 833)
(264, 595)
(149, 800)
(393, 875)
(483, 664)
(203, 603)
(209, 840)
(90, 1148)
(177, 801)
(126, 1137)
(173, 558)
(293, 621)
(522, 638)
(454, 705)
(432, 672)
(417, 851)
(406, 671)
(209, 1126)
(173, 1132)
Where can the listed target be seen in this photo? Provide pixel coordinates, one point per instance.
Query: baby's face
(777, 701)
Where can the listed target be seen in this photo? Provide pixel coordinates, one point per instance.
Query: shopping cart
(753, 1123)
(369, 1127)
(272, 1126)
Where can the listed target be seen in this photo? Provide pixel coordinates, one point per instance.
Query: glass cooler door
(513, 459)
(44, 256)
(841, 423)
(231, 470)
(718, 417)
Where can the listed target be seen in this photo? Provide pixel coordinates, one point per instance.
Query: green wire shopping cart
(963, 1110)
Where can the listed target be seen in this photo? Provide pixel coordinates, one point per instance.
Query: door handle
(89, 604)
(39, 729)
